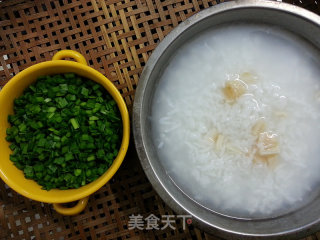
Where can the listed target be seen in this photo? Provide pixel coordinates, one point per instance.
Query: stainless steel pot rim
(139, 130)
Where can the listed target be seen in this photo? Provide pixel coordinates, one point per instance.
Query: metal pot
(297, 20)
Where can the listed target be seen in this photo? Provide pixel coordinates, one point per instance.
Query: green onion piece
(84, 91)
(28, 171)
(74, 123)
(77, 172)
(69, 156)
(93, 118)
(91, 158)
(51, 109)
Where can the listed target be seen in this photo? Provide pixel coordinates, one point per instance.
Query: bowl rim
(84, 191)
(139, 129)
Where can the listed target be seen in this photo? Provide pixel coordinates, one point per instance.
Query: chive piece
(22, 127)
(77, 172)
(51, 109)
(32, 88)
(50, 115)
(84, 91)
(64, 139)
(38, 168)
(74, 123)
(12, 146)
(28, 171)
(91, 158)
(39, 99)
(64, 87)
(53, 168)
(93, 118)
(42, 142)
(59, 161)
(85, 137)
(40, 125)
(100, 153)
(62, 102)
(69, 156)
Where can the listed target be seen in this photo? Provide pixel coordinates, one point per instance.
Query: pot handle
(78, 208)
(70, 54)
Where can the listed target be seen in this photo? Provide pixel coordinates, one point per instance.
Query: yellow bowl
(15, 177)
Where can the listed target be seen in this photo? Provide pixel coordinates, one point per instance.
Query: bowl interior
(298, 21)
(13, 89)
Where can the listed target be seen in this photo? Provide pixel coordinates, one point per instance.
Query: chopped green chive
(93, 118)
(52, 109)
(74, 123)
(65, 131)
(77, 172)
(91, 158)
(84, 91)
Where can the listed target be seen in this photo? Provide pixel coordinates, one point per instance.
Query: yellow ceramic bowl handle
(78, 208)
(70, 54)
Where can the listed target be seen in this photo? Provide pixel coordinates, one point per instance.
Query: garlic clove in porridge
(272, 160)
(268, 144)
(259, 127)
(234, 89)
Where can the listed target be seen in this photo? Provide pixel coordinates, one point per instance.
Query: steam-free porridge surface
(235, 118)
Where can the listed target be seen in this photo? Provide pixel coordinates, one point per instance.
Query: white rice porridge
(235, 120)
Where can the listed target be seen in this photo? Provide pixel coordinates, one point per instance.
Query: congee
(235, 120)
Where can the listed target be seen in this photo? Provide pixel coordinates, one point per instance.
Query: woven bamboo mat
(116, 37)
